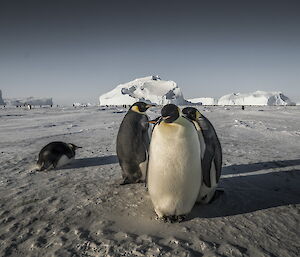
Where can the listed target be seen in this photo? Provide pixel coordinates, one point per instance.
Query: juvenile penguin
(211, 155)
(55, 155)
(174, 163)
(133, 143)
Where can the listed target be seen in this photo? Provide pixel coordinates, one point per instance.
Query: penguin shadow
(92, 162)
(246, 190)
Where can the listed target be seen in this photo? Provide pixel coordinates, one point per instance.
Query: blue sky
(76, 50)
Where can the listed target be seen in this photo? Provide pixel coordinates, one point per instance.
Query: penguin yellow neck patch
(136, 109)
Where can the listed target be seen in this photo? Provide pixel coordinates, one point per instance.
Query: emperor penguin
(55, 155)
(133, 143)
(174, 163)
(211, 155)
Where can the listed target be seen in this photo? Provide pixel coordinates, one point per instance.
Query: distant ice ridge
(29, 100)
(151, 89)
(1, 100)
(82, 104)
(255, 98)
(204, 101)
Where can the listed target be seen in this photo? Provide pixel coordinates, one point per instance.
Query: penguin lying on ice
(211, 155)
(133, 143)
(55, 155)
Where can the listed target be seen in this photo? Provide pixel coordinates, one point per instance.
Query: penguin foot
(130, 181)
(218, 193)
(174, 218)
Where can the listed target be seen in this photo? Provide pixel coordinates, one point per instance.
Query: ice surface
(149, 89)
(81, 210)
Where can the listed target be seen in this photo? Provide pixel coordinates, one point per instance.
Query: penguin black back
(52, 153)
(213, 149)
(133, 143)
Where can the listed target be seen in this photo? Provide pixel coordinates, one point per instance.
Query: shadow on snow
(254, 192)
(92, 162)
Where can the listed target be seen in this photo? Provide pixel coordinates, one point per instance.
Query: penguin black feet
(174, 218)
(130, 181)
(218, 193)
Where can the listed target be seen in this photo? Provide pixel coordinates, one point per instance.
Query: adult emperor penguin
(174, 162)
(211, 155)
(133, 143)
(55, 155)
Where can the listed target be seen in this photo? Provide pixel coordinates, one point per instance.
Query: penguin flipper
(206, 167)
(218, 163)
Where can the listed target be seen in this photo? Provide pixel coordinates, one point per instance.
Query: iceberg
(255, 98)
(151, 89)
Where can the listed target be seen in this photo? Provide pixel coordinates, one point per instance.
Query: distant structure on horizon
(33, 101)
(1, 99)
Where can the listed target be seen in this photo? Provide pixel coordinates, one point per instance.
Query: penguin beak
(150, 105)
(156, 120)
(76, 147)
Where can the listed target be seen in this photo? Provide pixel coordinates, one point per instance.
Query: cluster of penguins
(179, 158)
(180, 161)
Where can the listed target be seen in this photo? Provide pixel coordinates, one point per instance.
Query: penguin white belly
(174, 169)
(63, 160)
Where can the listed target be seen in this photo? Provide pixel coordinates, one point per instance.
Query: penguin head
(191, 113)
(140, 107)
(170, 113)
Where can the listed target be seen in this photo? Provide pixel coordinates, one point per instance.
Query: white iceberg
(204, 101)
(149, 89)
(255, 98)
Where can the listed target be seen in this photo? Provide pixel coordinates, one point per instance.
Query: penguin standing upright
(133, 143)
(211, 155)
(55, 155)
(174, 162)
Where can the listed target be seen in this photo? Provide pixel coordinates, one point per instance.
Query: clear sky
(77, 50)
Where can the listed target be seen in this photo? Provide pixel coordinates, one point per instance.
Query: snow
(204, 101)
(1, 100)
(82, 104)
(149, 89)
(81, 210)
(255, 98)
(29, 100)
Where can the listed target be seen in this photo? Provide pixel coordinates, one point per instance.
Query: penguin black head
(170, 113)
(191, 113)
(140, 107)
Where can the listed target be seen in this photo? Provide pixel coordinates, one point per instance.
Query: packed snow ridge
(151, 89)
